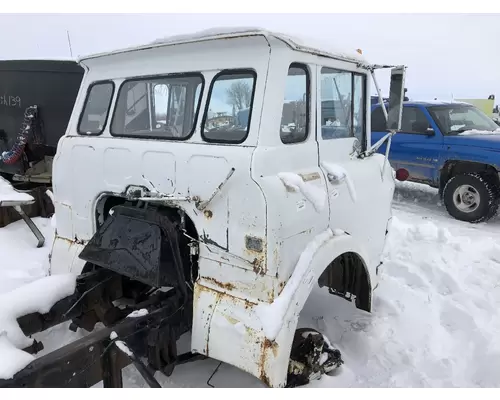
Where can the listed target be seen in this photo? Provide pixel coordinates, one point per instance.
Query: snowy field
(435, 320)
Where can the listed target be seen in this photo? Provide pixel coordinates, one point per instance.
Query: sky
(446, 54)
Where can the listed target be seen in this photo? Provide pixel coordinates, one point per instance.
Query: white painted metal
(246, 303)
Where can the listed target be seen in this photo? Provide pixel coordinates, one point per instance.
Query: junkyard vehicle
(204, 164)
(449, 146)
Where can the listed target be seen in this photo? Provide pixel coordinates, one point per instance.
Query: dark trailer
(36, 101)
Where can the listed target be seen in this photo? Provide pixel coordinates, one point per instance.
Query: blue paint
(425, 154)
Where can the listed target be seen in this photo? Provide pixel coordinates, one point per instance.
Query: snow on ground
(435, 320)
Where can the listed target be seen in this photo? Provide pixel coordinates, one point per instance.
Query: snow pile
(38, 296)
(21, 261)
(10, 196)
(435, 320)
(312, 193)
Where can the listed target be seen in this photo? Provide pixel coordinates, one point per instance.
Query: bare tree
(239, 95)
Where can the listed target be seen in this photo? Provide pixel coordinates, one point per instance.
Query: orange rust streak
(267, 344)
(227, 286)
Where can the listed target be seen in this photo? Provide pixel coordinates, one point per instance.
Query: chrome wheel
(466, 198)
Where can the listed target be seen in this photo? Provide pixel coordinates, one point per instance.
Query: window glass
(414, 120)
(159, 107)
(294, 116)
(456, 118)
(336, 103)
(96, 108)
(227, 118)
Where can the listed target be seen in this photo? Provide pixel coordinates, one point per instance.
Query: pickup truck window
(414, 120)
(378, 122)
(454, 119)
(229, 109)
(295, 113)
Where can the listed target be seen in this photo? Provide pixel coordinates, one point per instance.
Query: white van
(216, 146)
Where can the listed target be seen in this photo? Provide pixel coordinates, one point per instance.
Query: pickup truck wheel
(471, 197)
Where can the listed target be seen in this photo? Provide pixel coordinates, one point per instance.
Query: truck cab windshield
(455, 119)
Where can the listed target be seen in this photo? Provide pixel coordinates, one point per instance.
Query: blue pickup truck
(451, 146)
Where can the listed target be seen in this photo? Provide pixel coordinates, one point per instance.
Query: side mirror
(430, 132)
(396, 98)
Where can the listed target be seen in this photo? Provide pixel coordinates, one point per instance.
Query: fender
(257, 338)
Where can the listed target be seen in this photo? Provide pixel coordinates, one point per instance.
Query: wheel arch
(347, 276)
(456, 167)
(257, 338)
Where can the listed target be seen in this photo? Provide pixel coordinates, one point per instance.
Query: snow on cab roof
(438, 102)
(308, 45)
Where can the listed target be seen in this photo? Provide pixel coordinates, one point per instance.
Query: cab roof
(298, 44)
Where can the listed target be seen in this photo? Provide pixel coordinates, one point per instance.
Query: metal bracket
(32, 226)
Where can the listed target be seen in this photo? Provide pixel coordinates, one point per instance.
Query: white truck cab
(253, 145)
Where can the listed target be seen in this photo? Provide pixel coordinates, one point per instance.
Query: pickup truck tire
(471, 197)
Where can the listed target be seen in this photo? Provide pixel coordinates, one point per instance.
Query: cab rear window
(159, 107)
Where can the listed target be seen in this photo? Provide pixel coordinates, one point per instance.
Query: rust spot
(267, 344)
(71, 242)
(208, 214)
(257, 248)
(79, 241)
(265, 379)
(227, 286)
(258, 267)
(281, 286)
(248, 304)
(271, 345)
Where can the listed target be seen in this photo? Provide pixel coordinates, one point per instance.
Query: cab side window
(414, 120)
(343, 104)
(294, 127)
(229, 109)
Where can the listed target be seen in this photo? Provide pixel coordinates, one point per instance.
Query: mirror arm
(380, 98)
